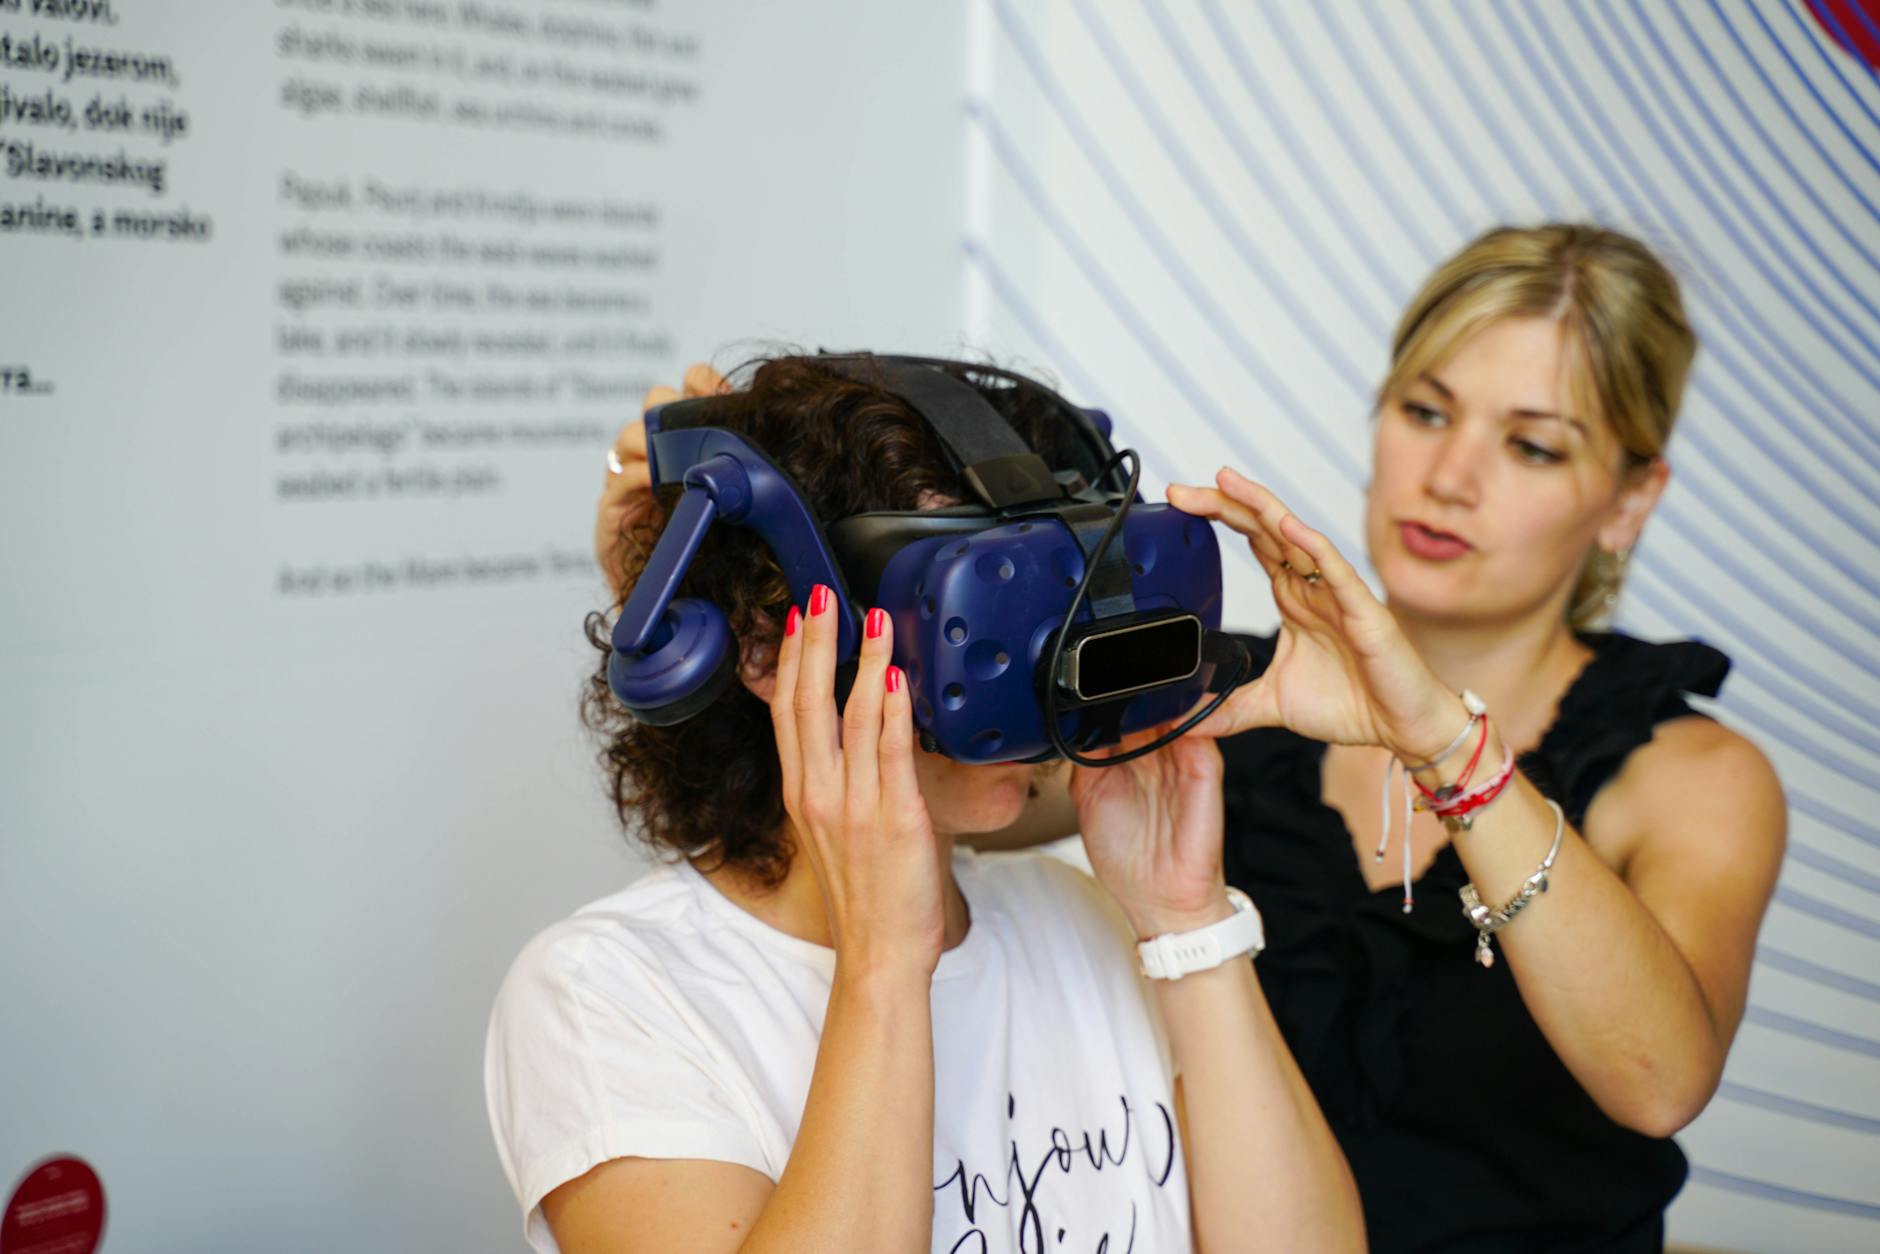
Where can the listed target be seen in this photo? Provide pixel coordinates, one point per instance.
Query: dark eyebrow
(1437, 383)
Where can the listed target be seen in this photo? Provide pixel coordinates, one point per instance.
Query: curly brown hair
(709, 788)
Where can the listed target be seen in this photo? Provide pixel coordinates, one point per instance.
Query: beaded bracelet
(1488, 921)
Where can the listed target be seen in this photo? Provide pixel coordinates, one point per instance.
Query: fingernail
(894, 679)
(877, 621)
(819, 600)
(790, 621)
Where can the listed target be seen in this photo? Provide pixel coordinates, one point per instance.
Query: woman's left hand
(1152, 828)
(1342, 670)
(627, 491)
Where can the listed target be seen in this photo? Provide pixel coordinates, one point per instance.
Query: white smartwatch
(1172, 955)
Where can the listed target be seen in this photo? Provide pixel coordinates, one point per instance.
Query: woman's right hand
(1342, 670)
(851, 793)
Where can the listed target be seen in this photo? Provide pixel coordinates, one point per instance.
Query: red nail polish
(819, 600)
(790, 620)
(894, 679)
(877, 622)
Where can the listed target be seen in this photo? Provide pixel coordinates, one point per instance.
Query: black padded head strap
(1000, 468)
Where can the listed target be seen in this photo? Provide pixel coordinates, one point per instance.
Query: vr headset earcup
(692, 659)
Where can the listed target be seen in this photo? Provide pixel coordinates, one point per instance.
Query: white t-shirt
(666, 1022)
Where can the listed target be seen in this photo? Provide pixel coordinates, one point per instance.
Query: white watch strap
(1175, 954)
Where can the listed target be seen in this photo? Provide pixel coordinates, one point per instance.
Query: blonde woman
(1505, 1079)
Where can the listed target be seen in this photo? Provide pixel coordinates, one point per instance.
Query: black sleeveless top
(1465, 1131)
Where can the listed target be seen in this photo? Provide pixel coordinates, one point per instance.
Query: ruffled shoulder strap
(1627, 689)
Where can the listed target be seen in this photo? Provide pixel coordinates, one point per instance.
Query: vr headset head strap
(1000, 468)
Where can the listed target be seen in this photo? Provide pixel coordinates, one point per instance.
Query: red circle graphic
(57, 1209)
(1853, 24)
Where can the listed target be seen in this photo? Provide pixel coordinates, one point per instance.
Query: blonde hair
(1630, 346)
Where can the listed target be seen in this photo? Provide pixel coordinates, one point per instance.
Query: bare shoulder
(1696, 783)
(657, 1206)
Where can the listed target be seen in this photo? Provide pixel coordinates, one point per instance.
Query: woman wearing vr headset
(821, 1025)
(1505, 1078)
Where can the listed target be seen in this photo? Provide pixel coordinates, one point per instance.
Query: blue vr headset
(1048, 615)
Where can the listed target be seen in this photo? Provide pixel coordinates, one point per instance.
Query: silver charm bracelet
(1490, 921)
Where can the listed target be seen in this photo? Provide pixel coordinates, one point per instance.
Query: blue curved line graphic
(1851, 568)
(1771, 446)
(1388, 118)
(1771, 274)
(1733, 1183)
(1827, 912)
(1828, 816)
(1600, 125)
(1828, 864)
(1705, 159)
(1795, 1108)
(1702, 540)
(1177, 152)
(1840, 33)
(1223, 326)
(1815, 973)
(1759, 720)
(1169, 361)
(1351, 238)
(1752, 336)
(1757, 641)
(1354, 237)
(1805, 185)
(1813, 40)
(1794, 699)
(1796, 183)
(1510, 151)
(1809, 1030)
(1486, 187)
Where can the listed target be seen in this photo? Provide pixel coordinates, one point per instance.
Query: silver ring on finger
(1313, 576)
(614, 466)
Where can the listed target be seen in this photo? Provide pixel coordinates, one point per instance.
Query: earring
(1615, 577)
